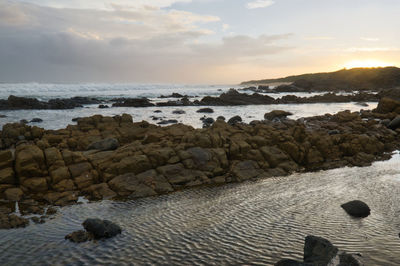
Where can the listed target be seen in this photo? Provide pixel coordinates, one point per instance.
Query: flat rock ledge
(115, 158)
(319, 251)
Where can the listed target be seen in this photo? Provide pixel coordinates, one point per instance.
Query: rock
(178, 112)
(178, 176)
(395, 123)
(279, 114)
(7, 176)
(207, 122)
(12, 221)
(38, 220)
(205, 110)
(387, 105)
(356, 208)
(101, 228)
(13, 194)
(289, 262)
(128, 185)
(36, 120)
(51, 211)
(234, 120)
(100, 191)
(79, 169)
(157, 111)
(37, 184)
(246, 170)
(79, 236)
(156, 181)
(23, 121)
(166, 122)
(134, 102)
(318, 250)
(221, 118)
(108, 144)
(103, 106)
(362, 104)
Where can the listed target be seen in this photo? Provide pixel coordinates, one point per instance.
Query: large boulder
(129, 185)
(395, 123)
(276, 114)
(388, 105)
(318, 250)
(245, 170)
(101, 228)
(13, 194)
(356, 208)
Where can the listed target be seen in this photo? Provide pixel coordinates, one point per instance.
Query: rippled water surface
(255, 222)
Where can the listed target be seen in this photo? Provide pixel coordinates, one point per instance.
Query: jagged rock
(356, 208)
(101, 228)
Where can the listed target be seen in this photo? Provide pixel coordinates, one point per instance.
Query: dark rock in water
(395, 123)
(101, 228)
(38, 220)
(287, 88)
(276, 114)
(79, 236)
(318, 250)
(166, 122)
(207, 122)
(104, 145)
(234, 120)
(75, 119)
(362, 104)
(36, 120)
(23, 121)
(221, 118)
(178, 112)
(3, 116)
(134, 102)
(103, 106)
(205, 110)
(356, 208)
(173, 95)
(233, 97)
(157, 111)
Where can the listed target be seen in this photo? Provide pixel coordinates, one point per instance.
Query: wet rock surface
(319, 251)
(94, 229)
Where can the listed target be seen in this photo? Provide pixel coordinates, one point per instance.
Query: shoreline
(112, 157)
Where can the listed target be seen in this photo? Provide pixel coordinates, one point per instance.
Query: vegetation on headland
(355, 78)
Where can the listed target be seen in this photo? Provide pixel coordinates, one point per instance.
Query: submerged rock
(276, 114)
(36, 120)
(12, 221)
(79, 236)
(357, 208)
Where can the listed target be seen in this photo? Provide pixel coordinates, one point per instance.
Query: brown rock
(7, 176)
(274, 155)
(59, 174)
(36, 184)
(79, 169)
(12, 221)
(178, 176)
(13, 194)
(245, 170)
(156, 181)
(52, 155)
(65, 185)
(129, 185)
(29, 162)
(387, 105)
(100, 191)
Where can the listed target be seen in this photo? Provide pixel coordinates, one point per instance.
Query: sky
(192, 41)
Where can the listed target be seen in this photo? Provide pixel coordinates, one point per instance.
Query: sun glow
(366, 63)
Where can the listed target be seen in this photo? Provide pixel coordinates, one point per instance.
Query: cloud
(368, 39)
(371, 49)
(319, 38)
(47, 44)
(225, 27)
(259, 4)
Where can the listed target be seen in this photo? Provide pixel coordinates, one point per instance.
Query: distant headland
(355, 78)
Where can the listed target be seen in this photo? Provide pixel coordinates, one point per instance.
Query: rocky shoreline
(114, 158)
(230, 98)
